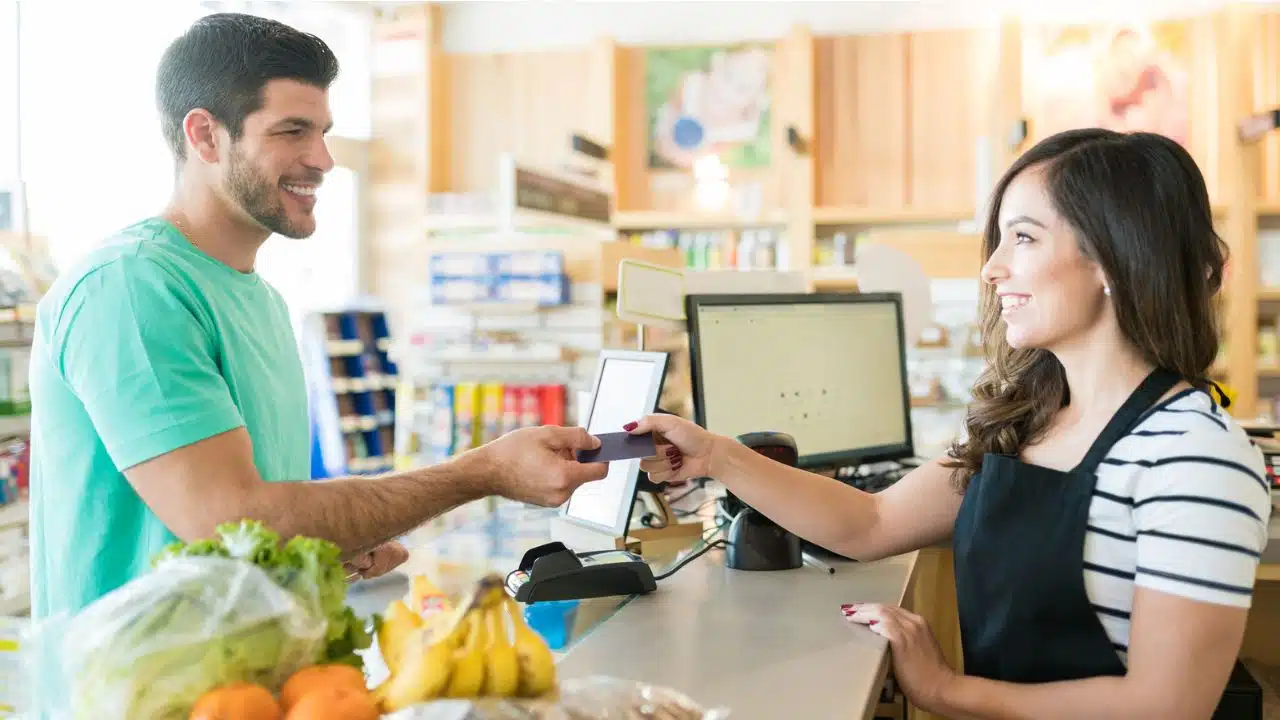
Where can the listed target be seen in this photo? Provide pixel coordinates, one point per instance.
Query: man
(167, 391)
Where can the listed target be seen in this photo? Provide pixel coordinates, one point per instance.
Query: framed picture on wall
(704, 101)
(1126, 77)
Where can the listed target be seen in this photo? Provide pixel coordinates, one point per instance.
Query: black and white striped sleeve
(1201, 509)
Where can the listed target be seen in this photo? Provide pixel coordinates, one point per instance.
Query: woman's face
(1051, 293)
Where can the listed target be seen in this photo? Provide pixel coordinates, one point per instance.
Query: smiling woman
(1102, 495)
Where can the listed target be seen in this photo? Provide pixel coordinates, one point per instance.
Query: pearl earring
(1106, 291)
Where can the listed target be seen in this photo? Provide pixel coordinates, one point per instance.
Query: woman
(1107, 516)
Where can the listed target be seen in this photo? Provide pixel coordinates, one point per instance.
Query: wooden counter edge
(882, 672)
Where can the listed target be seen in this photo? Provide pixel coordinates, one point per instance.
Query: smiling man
(167, 391)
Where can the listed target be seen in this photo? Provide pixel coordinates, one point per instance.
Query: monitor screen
(627, 387)
(828, 369)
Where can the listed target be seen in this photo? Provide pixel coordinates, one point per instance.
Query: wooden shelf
(833, 278)
(1269, 295)
(889, 216)
(1268, 370)
(662, 220)
(614, 252)
(1268, 208)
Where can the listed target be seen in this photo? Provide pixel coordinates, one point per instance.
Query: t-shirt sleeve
(130, 344)
(1201, 512)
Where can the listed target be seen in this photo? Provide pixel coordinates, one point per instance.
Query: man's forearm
(360, 513)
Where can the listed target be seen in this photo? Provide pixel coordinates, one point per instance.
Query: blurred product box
(532, 276)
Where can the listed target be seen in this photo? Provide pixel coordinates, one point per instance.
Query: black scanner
(754, 541)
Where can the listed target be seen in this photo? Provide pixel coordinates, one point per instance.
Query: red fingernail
(846, 606)
(872, 622)
(630, 426)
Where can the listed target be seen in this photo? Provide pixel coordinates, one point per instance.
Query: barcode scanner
(755, 541)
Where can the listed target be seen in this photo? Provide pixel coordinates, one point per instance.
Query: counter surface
(763, 644)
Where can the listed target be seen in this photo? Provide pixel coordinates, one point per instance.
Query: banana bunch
(485, 650)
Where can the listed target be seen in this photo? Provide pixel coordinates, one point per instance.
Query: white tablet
(627, 386)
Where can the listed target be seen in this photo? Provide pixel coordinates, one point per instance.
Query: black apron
(1019, 560)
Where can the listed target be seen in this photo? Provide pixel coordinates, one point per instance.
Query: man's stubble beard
(259, 198)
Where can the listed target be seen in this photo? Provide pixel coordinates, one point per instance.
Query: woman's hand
(918, 665)
(685, 450)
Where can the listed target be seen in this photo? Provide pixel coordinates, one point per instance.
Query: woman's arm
(918, 510)
(1181, 652)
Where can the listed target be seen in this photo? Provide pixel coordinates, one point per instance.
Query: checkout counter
(762, 644)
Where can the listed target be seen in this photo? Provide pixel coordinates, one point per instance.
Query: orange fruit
(335, 703)
(238, 701)
(319, 677)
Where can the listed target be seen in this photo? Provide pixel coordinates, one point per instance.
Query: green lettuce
(310, 568)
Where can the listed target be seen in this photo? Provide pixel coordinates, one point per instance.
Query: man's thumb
(574, 438)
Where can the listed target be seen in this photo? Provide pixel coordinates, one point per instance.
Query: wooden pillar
(410, 151)
(1239, 196)
(1008, 108)
(600, 122)
(795, 90)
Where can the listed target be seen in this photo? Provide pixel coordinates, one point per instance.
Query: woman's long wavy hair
(1138, 203)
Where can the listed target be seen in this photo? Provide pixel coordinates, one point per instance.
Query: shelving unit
(517, 307)
(850, 151)
(353, 382)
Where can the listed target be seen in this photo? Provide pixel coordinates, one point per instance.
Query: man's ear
(201, 131)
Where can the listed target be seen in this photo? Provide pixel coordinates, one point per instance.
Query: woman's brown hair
(1138, 204)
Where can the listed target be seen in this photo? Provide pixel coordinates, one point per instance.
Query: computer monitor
(627, 386)
(829, 369)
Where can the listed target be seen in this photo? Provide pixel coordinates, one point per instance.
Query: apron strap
(1159, 382)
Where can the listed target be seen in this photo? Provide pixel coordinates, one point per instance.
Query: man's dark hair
(223, 61)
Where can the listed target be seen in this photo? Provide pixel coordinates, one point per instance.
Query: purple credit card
(620, 446)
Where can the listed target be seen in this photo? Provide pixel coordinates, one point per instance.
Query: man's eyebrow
(300, 122)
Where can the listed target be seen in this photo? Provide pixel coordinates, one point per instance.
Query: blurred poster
(708, 101)
(1125, 78)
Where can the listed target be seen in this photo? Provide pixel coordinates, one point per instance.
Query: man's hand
(538, 465)
(379, 561)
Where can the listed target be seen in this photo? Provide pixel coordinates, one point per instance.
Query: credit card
(620, 446)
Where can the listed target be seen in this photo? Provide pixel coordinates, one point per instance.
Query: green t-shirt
(146, 346)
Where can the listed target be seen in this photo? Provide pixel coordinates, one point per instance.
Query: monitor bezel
(809, 461)
(622, 521)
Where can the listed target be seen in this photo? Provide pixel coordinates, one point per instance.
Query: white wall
(506, 26)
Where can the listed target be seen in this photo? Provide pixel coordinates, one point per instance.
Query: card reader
(554, 572)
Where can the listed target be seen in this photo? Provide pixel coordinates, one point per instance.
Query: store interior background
(904, 115)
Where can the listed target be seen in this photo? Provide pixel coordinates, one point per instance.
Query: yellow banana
(423, 673)
(537, 666)
(469, 661)
(502, 672)
(397, 624)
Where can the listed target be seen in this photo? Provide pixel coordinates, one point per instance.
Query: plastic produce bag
(592, 698)
(154, 646)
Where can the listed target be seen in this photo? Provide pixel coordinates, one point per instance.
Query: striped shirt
(1181, 506)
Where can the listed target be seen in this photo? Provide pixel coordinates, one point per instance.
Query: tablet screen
(626, 390)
